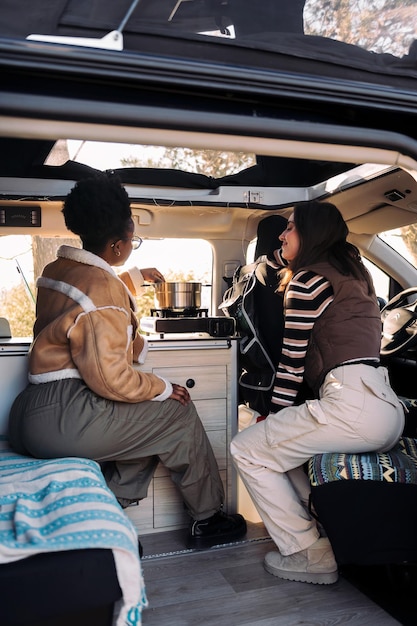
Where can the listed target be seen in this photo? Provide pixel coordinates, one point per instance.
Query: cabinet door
(201, 382)
(210, 377)
(168, 506)
(213, 413)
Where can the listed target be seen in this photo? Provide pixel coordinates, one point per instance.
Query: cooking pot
(179, 296)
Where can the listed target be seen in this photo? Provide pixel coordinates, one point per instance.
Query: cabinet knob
(190, 382)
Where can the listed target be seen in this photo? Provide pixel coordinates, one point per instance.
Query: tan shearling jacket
(86, 328)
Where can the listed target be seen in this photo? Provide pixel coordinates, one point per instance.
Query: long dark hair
(323, 232)
(98, 210)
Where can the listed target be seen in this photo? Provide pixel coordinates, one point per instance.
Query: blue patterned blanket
(65, 504)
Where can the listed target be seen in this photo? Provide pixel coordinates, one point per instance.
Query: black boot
(125, 502)
(216, 530)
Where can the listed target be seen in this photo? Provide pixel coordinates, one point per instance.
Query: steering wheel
(399, 323)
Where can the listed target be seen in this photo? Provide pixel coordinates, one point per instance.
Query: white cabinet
(13, 376)
(208, 368)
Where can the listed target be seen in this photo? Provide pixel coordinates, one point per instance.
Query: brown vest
(350, 327)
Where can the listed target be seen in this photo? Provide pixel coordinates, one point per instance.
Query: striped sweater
(307, 297)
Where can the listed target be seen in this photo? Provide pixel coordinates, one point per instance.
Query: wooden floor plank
(228, 586)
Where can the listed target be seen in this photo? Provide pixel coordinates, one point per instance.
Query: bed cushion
(56, 506)
(77, 587)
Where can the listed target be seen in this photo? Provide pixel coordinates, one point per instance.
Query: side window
(178, 260)
(17, 291)
(250, 252)
(380, 278)
(23, 257)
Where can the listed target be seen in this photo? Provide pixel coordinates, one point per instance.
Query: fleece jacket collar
(88, 258)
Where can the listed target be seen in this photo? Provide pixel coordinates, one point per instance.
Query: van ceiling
(369, 205)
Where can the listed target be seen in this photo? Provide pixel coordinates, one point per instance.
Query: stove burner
(175, 313)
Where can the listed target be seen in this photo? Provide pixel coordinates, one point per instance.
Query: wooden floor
(229, 586)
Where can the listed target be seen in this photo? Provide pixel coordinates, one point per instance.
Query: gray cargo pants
(65, 418)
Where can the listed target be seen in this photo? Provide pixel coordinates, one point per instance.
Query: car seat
(367, 502)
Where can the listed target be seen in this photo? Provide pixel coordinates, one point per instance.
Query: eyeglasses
(135, 241)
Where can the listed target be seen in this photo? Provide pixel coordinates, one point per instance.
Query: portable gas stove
(188, 320)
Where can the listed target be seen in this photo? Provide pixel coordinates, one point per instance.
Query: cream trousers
(357, 411)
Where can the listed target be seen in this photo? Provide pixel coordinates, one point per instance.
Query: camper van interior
(214, 115)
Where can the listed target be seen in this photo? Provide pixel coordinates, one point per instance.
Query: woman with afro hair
(85, 398)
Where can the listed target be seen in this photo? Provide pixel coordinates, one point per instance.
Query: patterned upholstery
(367, 503)
(399, 465)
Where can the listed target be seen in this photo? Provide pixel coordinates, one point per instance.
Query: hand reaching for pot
(152, 275)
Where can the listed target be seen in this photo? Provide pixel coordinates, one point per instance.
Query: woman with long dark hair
(332, 341)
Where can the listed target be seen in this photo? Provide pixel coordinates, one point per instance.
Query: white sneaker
(315, 564)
